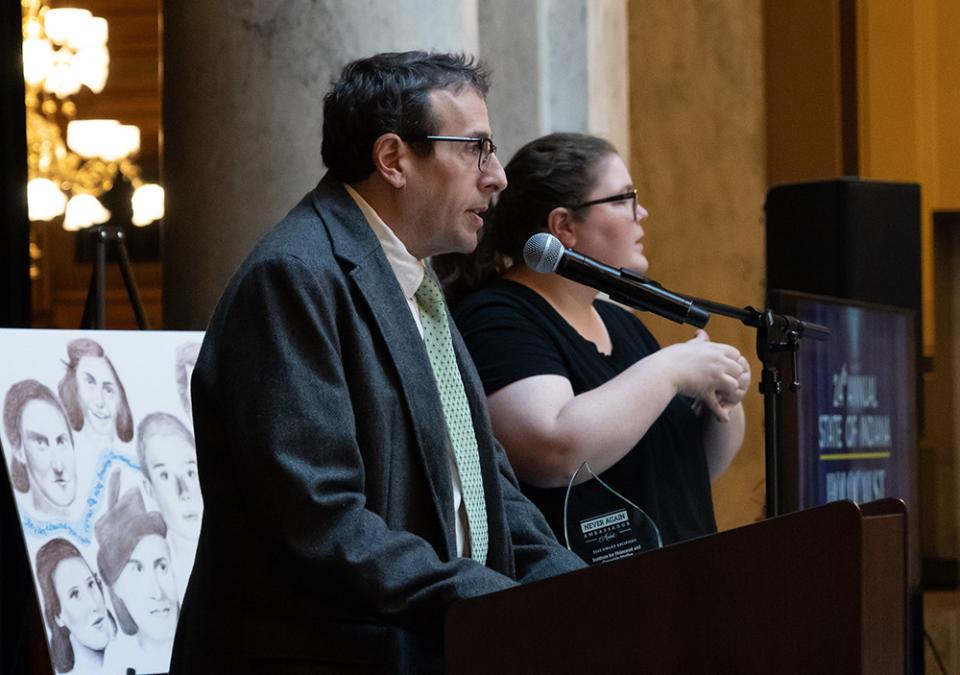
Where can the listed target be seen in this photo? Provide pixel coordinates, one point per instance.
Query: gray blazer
(328, 533)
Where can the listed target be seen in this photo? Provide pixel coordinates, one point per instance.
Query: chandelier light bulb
(128, 140)
(37, 60)
(91, 138)
(147, 204)
(45, 201)
(62, 80)
(84, 211)
(120, 141)
(92, 65)
(87, 32)
(61, 23)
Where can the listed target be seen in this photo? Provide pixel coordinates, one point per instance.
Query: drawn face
(82, 608)
(172, 467)
(48, 453)
(99, 394)
(147, 587)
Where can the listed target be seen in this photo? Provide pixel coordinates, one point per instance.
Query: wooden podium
(818, 591)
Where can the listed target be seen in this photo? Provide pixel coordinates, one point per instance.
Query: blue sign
(855, 416)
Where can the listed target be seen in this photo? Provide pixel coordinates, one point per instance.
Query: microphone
(544, 253)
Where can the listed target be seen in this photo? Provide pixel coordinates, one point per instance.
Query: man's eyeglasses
(632, 195)
(483, 147)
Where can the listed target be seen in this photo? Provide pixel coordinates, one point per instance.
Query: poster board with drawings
(97, 437)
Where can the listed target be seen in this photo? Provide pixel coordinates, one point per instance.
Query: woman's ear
(560, 225)
(388, 150)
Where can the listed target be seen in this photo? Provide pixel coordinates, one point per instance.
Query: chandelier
(65, 49)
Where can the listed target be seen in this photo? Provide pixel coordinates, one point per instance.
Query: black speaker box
(847, 238)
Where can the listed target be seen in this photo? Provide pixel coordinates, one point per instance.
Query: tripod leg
(94, 309)
(131, 285)
(87, 320)
(100, 273)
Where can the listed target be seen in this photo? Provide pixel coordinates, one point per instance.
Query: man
(329, 436)
(168, 460)
(44, 462)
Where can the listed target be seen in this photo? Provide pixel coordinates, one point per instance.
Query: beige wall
(698, 160)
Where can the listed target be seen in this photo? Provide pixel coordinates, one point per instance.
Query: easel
(94, 310)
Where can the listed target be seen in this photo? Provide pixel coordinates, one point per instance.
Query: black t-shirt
(513, 333)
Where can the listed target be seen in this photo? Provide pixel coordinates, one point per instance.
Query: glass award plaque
(607, 528)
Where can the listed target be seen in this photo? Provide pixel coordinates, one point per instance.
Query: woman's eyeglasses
(632, 195)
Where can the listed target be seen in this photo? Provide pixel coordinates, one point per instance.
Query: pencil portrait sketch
(74, 609)
(44, 464)
(94, 396)
(167, 455)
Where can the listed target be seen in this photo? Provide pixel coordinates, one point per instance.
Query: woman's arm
(549, 432)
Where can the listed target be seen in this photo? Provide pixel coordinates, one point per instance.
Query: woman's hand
(714, 373)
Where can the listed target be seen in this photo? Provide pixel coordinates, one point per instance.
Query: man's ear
(387, 152)
(560, 225)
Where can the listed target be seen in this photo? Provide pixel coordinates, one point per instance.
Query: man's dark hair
(388, 93)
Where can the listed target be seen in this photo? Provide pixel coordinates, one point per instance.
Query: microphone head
(543, 252)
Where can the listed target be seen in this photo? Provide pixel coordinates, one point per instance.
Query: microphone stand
(776, 334)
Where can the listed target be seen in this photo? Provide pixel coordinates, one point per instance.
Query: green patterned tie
(456, 410)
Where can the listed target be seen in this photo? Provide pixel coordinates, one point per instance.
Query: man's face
(446, 192)
(99, 394)
(48, 453)
(82, 608)
(147, 588)
(172, 467)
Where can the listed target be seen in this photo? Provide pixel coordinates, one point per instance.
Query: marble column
(558, 65)
(242, 115)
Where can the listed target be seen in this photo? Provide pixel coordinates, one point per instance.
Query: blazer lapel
(354, 242)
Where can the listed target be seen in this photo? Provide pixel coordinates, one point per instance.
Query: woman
(571, 379)
(94, 397)
(74, 608)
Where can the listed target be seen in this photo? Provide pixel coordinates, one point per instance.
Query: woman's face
(82, 608)
(147, 587)
(99, 394)
(611, 232)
